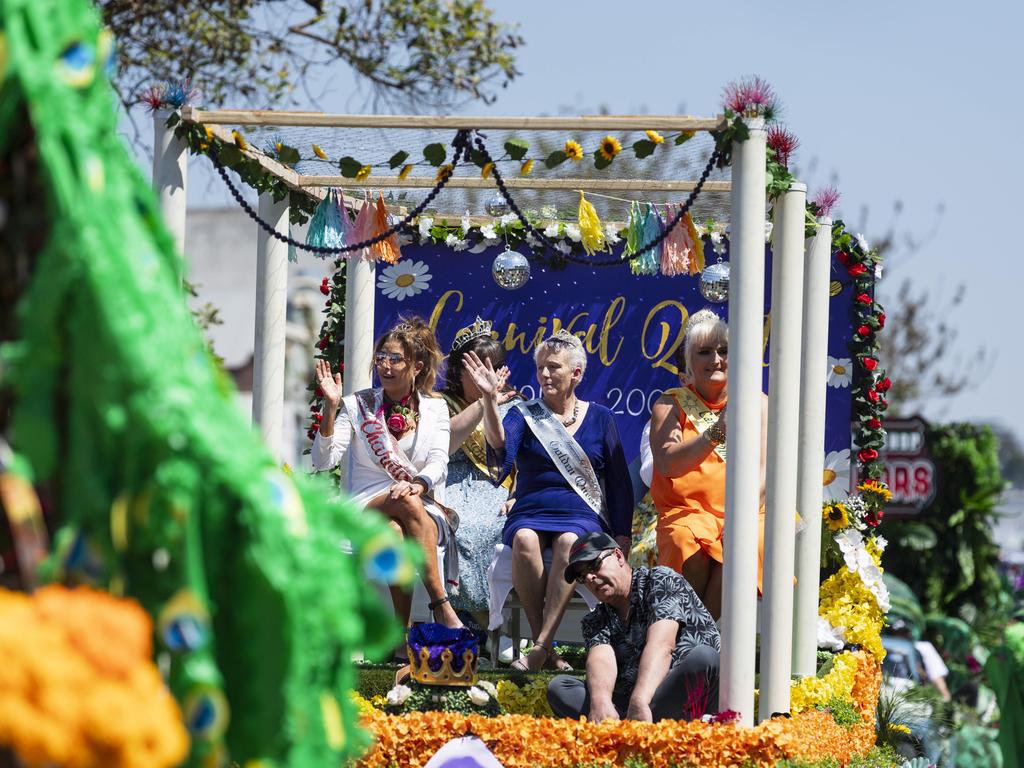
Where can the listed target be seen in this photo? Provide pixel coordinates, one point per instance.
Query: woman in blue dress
(571, 479)
(468, 488)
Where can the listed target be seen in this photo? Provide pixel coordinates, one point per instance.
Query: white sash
(572, 461)
(364, 407)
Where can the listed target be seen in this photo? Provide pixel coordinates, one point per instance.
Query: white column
(780, 479)
(811, 446)
(359, 308)
(271, 311)
(743, 435)
(170, 177)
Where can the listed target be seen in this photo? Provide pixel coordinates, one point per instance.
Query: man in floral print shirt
(652, 647)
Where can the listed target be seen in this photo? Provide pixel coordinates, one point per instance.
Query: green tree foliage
(947, 555)
(426, 52)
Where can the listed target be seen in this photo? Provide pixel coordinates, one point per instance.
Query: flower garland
(78, 686)
(520, 741)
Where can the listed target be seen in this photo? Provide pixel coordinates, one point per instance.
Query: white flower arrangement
(829, 637)
(552, 230)
(572, 231)
(397, 695)
(858, 560)
(863, 243)
(507, 219)
(487, 232)
(423, 225)
(611, 234)
(478, 696)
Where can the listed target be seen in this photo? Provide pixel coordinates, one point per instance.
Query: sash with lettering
(366, 406)
(697, 413)
(570, 459)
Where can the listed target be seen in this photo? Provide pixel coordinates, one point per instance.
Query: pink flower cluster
(751, 96)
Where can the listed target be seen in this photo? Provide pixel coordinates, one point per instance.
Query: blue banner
(630, 325)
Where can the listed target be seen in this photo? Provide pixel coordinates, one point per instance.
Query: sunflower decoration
(836, 516)
(526, 168)
(573, 150)
(318, 151)
(363, 172)
(609, 148)
(656, 137)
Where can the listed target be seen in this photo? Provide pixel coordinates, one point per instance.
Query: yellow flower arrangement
(319, 152)
(573, 150)
(845, 602)
(656, 137)
(363, 172)
(77, 684)
(531, 699)
(836, 516)
(609, 148)
(485, 172)
(208, 131)
(526, 168)
(240, 141)
(876, 489)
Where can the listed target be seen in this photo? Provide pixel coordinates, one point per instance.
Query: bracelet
(715, 435)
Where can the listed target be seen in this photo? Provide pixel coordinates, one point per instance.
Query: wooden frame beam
(454, 122)
(466, 182)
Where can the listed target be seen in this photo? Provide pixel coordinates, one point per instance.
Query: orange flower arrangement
(520, 741)
(78, 688)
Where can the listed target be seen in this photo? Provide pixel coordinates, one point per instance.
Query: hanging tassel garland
(386, 250)
(697, 258)
(591, 229)
(676, 250)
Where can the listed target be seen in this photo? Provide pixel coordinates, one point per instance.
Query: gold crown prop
(478, 329)
(446, 675)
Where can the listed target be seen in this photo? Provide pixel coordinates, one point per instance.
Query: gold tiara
(477, 330)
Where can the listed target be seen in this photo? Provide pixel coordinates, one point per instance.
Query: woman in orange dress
(688, 446)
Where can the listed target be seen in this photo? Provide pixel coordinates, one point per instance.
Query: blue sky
(917, 102)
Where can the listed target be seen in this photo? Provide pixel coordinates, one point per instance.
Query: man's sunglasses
(392, 358)
(592, 567)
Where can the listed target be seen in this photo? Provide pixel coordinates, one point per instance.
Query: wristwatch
(715, 434)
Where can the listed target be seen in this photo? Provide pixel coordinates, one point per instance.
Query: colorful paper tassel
(329, 226)
(388, 249)
(697, 258)
(363, 228)
(677, 248)
(591, 229)
(647, 263)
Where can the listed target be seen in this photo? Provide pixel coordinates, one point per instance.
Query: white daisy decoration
(836, 477)
(840, 371)
(402, 280)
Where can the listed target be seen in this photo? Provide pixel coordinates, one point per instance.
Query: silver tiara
(477, 330)
(562, 336)
(402, 328)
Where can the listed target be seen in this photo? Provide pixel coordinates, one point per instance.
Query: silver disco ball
(510, 269)
(497, 205)
(714, 282)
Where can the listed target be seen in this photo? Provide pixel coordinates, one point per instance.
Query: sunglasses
(392, 358)
(592, 567)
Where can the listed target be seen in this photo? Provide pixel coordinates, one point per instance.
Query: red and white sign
(909, 469)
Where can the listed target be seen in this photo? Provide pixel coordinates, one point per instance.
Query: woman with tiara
(469, 488)
(571, 479)
(396, 438)
(688, 427)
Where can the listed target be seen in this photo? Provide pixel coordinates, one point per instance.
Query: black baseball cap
(587, 547)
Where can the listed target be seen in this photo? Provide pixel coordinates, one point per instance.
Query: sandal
(556, 662)
(522, 664)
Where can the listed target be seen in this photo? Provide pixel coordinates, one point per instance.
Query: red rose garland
(330, 342)
(870, 382)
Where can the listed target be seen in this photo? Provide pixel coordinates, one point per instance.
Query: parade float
(237, 579)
